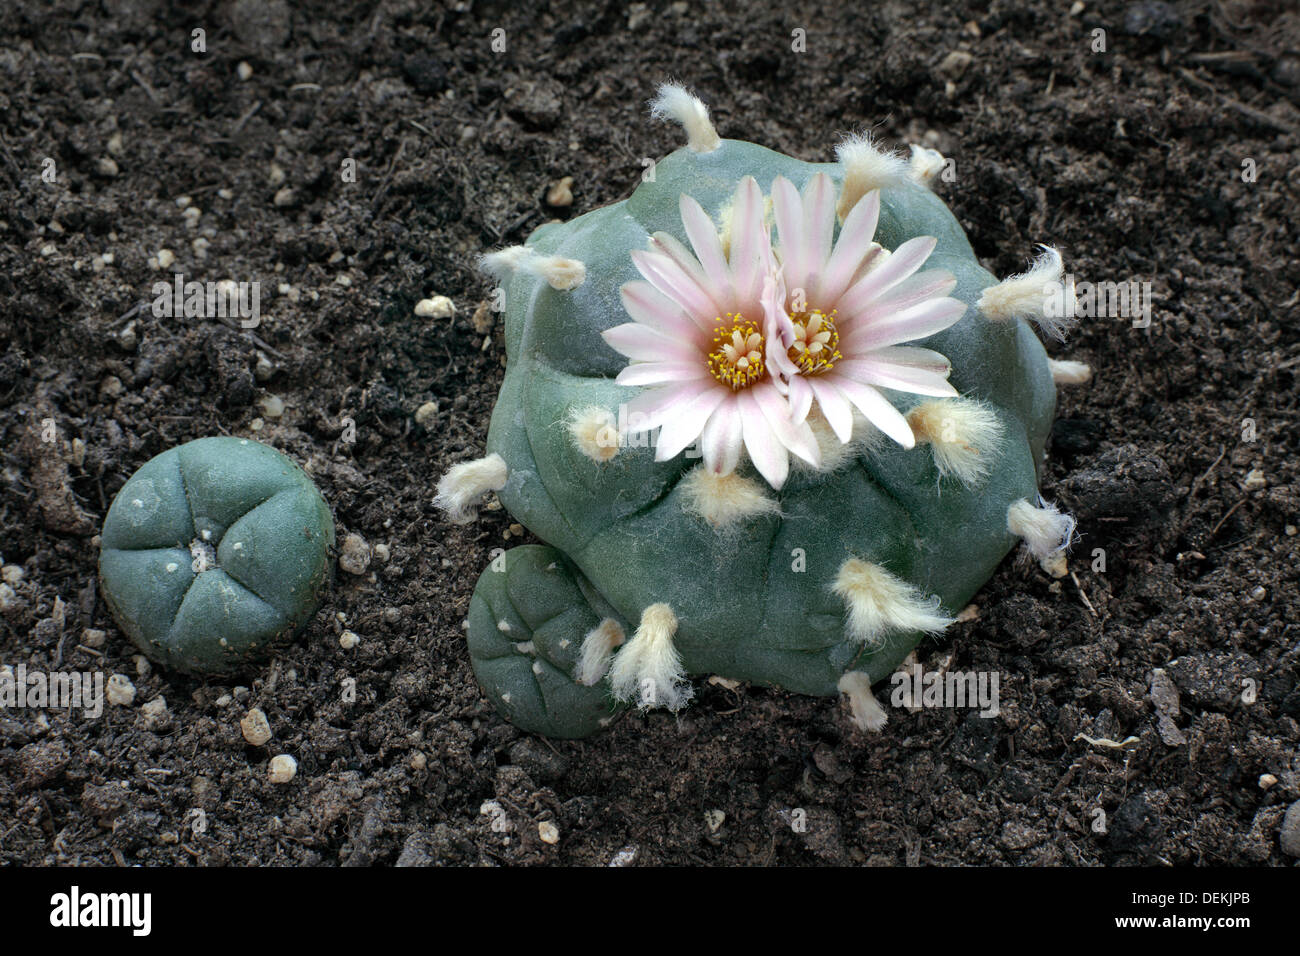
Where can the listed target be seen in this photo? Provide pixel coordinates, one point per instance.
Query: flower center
(737, 356)
(816, 342)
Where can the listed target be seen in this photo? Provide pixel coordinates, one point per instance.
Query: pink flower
(850, 307)
(704, 342)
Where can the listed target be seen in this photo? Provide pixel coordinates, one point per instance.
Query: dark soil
(1130, 160)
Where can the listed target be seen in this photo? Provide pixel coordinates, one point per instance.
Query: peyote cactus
(213, 552)
(657, 393)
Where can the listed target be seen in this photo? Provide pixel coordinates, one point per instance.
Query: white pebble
(349, 640)
(282, 768)
(438, 307)
(272, 406)
(549, 832)
(119, 690)
(354, 555)
(255, 727)
(426, 414)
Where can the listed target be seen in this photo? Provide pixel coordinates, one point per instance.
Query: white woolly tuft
(648, 668)
(964, 435)
(594, 432)
(880, 603)
(866, 167)
(1065, 372)
(1037, 295)
(725, 500)
(868, 715)
(563, 275)
(1047, 532)
(676, 104)
(597, 652)
(925, 165)
(463, 484)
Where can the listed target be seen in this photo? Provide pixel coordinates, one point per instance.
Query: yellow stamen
(737, 359)
(816, 342)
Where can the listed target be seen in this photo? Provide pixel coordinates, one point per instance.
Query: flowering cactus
(774, 421)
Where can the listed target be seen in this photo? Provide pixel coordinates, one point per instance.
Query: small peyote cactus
(774, 421)
(214, 551)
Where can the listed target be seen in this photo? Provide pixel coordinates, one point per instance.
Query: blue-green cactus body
(214, 551)
(753, 603)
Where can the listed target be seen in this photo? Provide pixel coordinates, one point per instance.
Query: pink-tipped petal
(818, 223)
(722, 438)
(703, 235)
(918, 322)
(654, 406)
(749, 237)
(686, 423)
(777, 412)
(901, 378)
(657, 373)
(851, 249)
(765, 451)
(787, 209)
(800, 396)
(905, 260)
(667, 277)
(645, 344)
(647, 305)
(878, 410)
(915, 289)
(834, 406)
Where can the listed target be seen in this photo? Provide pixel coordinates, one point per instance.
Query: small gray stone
(1289, 838)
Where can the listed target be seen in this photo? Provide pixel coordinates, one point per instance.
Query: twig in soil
(1258, 116)
(251, 112)
(1083, 594)
(9, 156)
(128, 314)
(1226, 516)
(388, 177)
(1196, 485)
(146, 87)
(257, 340)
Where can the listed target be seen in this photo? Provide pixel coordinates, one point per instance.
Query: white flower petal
(787, 209)
(901, 263)
(686, 423)
(776, 410)
(643, 343)
(852, 247)
(703, 235)
(902, 378)
(835, 407)
(818, 221)
(648, 306)
(765, 450)
(722, 438)
(656, 373)
(666, 276)
(915, 289)
(654, 406)
(878, 410)
(749, 240)
(918, 322)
